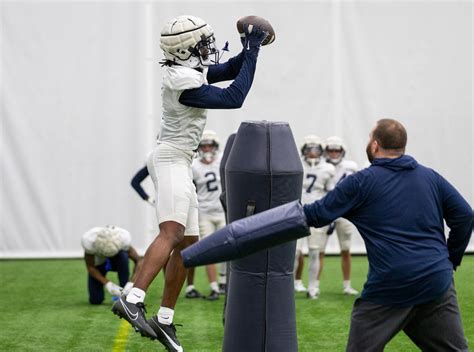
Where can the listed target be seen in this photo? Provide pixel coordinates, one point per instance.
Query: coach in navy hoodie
(398, 206)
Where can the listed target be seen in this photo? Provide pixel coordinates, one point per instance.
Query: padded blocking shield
(263, 170)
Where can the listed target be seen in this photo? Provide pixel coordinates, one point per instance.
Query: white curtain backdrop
(80, 99)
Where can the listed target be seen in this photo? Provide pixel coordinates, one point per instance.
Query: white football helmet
(335, 143)
(189, 41)
(208, 146)
(108, 242)
(312, 149)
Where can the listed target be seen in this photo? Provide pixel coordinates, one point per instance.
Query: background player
(107, 249)
(316, 180)
(206, 177)
(191, 66)
(334, 152)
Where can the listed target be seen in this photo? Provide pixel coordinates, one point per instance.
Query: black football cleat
(166, 334)
(222, 289)
(135, 315)
(213, 296)
(193, 294)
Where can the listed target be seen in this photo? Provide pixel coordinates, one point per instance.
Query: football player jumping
(316, 179)
(191, 66)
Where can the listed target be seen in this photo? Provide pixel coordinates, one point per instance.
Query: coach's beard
(370, 156)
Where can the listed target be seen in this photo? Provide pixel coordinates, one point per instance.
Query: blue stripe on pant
(120, 264)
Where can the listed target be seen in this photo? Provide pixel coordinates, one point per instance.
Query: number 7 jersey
(316, 180)
(207, 179)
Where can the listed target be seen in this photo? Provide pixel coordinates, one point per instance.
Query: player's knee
(172, 232)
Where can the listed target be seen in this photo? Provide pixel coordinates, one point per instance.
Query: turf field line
(122, 336)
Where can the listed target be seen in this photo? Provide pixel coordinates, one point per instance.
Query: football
(257, 21)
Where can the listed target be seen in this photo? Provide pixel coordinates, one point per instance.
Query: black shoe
(214, 295)
(166, 334)
(135, 315)
(222, 289)
(193, 294)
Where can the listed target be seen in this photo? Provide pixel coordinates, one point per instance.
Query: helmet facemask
(206, 51)
(207, 151)
(312, 153)
(331, 152)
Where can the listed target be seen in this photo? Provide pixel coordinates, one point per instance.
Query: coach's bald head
(388, 139)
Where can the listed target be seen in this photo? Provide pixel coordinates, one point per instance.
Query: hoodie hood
(404, 162)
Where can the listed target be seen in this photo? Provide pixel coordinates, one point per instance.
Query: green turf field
(44, 308)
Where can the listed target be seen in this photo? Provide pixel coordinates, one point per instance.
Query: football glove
(254, 36)
(126, 289)
(331, 228)
(114, 290)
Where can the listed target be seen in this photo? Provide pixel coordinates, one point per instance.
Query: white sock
(136, 295)
(189, 288)
(313, 281)
(165, 315)
(298, 282)
(346, 283)
(214, 286)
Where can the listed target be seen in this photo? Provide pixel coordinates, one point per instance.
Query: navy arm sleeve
(137, 180)
(226, 71)
(458, 215)
(335, 204)
(232, 97)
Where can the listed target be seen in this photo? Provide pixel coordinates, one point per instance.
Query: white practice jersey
(316, 180)
(343, 169)
(207, 179)
(181, 125)
(89, 237)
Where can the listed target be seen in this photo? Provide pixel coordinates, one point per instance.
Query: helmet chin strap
(312, 161)
(208, 157)
(335, 161)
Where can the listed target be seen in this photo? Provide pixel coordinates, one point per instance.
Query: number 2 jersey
(316, 180)
(207, 179)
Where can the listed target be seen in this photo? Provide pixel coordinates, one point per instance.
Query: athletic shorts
(176, 199)
(345, 229)
(210, 223)
(315, 240)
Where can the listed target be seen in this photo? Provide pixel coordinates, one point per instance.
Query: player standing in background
(107, 249)
(334, 152)
(191, 66)
(316, 180)
(206, 177)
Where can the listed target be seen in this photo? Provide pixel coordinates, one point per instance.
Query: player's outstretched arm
(232, 97)
(226, 71)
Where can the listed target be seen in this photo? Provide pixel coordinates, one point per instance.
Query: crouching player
(108, 249)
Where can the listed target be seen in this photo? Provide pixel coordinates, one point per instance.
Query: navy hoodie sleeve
(232, 97)
(137, 180)
(226, 71)
(458, 215)
(337, 203)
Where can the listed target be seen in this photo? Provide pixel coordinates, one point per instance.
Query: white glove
(151, 201)
(126, 289)
(114, 290)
